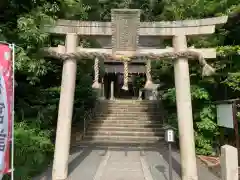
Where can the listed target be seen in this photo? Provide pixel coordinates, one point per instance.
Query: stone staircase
(126, 121)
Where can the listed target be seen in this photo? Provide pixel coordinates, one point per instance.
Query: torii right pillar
(183, 99)
(184, 112)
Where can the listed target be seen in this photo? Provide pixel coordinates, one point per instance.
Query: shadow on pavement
(162, 169)
(83, 151)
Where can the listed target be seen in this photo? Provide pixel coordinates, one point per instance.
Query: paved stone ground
(83, 164)
(125, 163)
(157, 160)
(119, 165)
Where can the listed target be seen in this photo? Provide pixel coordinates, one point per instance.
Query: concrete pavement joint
(145, 169)
(102, 166)
(126, 169)
(142, 152)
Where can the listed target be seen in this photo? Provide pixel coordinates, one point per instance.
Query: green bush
(33, 151)
(204, 118)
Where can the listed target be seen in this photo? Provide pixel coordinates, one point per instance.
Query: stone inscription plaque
(125, 30)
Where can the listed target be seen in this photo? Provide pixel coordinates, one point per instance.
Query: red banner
(6, 100)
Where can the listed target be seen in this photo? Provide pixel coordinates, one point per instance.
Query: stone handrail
(88, 116)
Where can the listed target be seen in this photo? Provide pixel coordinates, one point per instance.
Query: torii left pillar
(62, 144)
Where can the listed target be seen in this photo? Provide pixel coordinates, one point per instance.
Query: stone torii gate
(131, 39)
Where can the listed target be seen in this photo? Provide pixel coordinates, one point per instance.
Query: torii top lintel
(162, 28)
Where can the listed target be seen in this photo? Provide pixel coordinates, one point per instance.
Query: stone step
(128, 110)
(125, 128)
(125, 121)
(143, 106)
(116, 107)
(118, 113)
(134, 106)
(125, 106)
(132, 125)
(128, 101)
(124, 138)
(123, 133)
(122, 116)
(120, 143)
(123, 110)
(128, 114)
